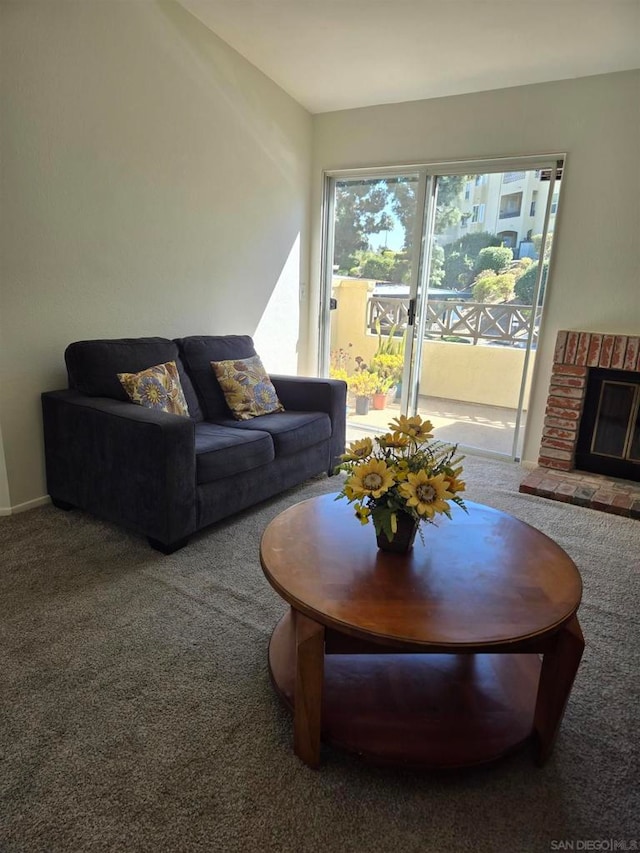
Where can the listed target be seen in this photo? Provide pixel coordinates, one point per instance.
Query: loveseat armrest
(123, 462)
(313, 394)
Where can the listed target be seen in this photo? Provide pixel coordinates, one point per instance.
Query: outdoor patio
(472, 425)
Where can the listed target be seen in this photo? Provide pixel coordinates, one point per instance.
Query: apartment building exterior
(510, 205)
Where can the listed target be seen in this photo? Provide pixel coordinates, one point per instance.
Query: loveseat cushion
(198, 352)
(247, 388)
(223, 452)
(157, 387)
(93, 366)
(291, 432)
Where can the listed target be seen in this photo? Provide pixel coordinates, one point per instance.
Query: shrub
(362, 383)
(496, 258)
(519, 268)
(378, 267)
(388, 366)
(489, 287)
(459, 258)
(527, 282)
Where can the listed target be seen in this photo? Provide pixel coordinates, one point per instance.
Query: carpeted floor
(137, 715)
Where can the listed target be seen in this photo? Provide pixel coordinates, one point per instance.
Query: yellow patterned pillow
(246, 387)
(156, 388)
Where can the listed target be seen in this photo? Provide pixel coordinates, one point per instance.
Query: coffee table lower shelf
(420, 710)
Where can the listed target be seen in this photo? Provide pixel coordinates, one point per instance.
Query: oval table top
(480, 579)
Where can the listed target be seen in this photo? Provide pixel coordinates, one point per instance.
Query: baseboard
(27, 505)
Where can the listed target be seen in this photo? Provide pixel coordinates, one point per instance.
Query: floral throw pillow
(246, 387)
(156, 388)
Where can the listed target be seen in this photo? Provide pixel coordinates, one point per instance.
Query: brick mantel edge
(575, 353)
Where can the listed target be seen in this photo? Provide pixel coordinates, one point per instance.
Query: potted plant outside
(389, 366)
(362, 384)
(383, 384)
(388, 359)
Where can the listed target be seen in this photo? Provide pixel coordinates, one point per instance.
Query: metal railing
(506, 324)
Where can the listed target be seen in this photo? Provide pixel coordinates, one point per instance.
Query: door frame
(423, 237)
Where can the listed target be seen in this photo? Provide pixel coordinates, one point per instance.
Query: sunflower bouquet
(402, 472)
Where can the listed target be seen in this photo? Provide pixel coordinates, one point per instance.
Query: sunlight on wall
(276, 336)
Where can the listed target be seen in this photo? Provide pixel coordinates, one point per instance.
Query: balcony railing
(476, 321)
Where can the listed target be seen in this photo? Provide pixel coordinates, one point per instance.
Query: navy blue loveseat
(166, 476)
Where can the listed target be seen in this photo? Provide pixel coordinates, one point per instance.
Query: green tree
(404, 204)
(526, 283)
(491, 287)
(437, 266)
(359, 213)
(460, 256)
(537, 242)
(496, 258)
(377, 266)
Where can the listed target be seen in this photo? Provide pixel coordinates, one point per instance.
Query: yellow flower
(358, 450)
(428, 495)
(453, 483)
(362, 513)
(393, 440)
(371, 479)
(414, 427)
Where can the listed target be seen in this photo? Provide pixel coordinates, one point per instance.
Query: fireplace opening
(609, 435)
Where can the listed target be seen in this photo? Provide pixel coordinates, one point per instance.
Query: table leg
(559, 667)
(308, 688)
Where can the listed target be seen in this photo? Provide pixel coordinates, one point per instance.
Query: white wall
(153, 183)
(595, 276)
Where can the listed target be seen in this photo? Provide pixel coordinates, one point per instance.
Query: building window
(510, 206)
(478, 213)
(467, 191)
(554, 203)
(509, 238)
(481, 180)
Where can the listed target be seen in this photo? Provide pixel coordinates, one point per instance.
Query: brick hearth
(575, 353)
(621, 497)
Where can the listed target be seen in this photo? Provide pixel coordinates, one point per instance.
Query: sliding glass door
(434, 282)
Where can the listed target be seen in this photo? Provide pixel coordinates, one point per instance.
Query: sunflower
(370, 480)
(453, 483)
(413, 427)
(393, 441)
(427, 494)
(358, 450)
(362, 513)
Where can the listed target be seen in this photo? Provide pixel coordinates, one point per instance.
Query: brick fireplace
(575, 354)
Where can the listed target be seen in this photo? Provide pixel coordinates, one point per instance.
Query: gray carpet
(137, 714)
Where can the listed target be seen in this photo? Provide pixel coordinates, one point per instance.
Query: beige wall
(595, 280)
(453, 371)
(4, 483)
(153, 183)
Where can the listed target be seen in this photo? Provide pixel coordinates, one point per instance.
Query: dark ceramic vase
(402, 541)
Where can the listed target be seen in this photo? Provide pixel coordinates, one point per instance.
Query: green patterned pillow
(156, 388)
(246, 387)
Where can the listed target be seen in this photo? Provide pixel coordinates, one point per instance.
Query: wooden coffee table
(452, 655)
